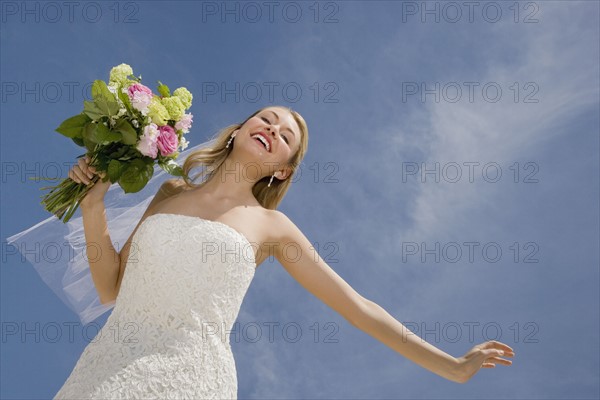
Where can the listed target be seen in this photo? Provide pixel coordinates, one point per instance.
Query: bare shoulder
(172, 186)
(167, 189)
(285, 230)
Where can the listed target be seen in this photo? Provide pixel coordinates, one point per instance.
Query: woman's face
(272, 136)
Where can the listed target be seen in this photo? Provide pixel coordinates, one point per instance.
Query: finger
(501, 346)
(82, 164)
(493, 344)
(81, 175)
(502, 361)
(92, 171)
(73, 177)
(84, 178)
(80, 178)
(490, 353)
(85, 168)
(506, 353)
(488, 365)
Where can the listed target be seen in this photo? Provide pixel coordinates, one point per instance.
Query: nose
(273, 131)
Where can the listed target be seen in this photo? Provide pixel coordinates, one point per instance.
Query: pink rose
(167, 140)
(140, 97)
(185, 123)
(148, 142)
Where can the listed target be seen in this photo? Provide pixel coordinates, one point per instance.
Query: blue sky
(371, 216)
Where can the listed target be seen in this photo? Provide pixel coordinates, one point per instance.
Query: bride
(167, 283)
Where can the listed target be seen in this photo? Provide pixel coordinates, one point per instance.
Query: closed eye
(284, 137)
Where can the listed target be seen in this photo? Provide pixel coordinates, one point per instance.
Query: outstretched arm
(309, 269)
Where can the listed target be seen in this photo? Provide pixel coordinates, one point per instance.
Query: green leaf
(92, 111)
(136, 175)
(104, 99)
(125, 99)
(119, 152)
(78, 141)
(89, 133)
(73, 127)
(90, 145)
(99, 89)
(109, 107)
(133, 152)
(115, 169)
(105, 135)
(163, 90)
(171, 167)
(129, 133)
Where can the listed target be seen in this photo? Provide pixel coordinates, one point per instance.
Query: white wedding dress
(168, 334)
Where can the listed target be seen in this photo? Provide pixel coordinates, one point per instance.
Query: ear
(284, 173)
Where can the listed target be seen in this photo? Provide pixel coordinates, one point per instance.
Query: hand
(85, 173)
(485, 355)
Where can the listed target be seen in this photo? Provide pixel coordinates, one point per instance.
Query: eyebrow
(277, 116)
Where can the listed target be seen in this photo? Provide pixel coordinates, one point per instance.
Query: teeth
(263, 140)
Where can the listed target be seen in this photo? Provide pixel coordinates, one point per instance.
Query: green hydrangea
(120, 73)
(174, 106)
(185, 96)
(157, 112)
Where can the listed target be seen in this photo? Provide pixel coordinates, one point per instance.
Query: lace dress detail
(168, 334)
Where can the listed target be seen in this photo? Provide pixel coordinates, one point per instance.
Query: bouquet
(125, 129)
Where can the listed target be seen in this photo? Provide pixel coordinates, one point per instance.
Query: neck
(231, 182)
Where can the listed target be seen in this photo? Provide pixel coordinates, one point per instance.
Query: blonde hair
(213, 158)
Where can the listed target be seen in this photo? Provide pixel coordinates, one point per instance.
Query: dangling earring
(230, 139)
(269, 185)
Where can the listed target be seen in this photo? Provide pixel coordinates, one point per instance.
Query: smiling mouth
(262, 141)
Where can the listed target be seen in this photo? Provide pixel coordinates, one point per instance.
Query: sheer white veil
(57, 250)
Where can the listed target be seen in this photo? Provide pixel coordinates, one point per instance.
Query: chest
(251, 221)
